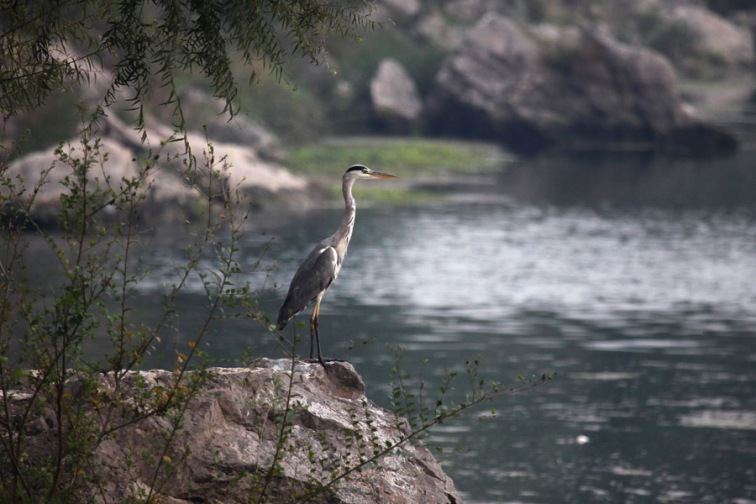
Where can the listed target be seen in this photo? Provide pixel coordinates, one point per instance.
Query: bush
(48, 331)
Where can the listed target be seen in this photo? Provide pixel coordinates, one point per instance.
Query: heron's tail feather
(291, 307)
(283, 317)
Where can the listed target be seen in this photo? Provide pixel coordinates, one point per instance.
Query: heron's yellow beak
(382, 175)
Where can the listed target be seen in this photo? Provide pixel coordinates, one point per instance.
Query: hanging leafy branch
(133, 44)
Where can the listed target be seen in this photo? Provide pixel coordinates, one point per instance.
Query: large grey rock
(171, 194)
(239, 130)
(229, 437)
(566, 87)
(37, 181)
(402, 8)
(396, 102)
(436, 28)
(716, 36)
(698, 42)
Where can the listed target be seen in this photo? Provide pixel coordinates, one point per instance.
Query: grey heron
(322, 265)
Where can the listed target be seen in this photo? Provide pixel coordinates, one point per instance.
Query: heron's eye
(366, 170)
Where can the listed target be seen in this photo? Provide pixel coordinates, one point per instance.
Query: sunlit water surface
(633, 280)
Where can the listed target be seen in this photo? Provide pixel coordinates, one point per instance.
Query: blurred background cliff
(667, 76)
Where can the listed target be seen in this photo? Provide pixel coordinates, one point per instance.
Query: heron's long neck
(344, 233)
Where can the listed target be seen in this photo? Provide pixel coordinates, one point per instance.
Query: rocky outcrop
(208, 113)
(698, 42)
(395, 100)
(45, 170)
(561, 87)
(171, 194)
(230, 445)
(402, 8)
(715, 37)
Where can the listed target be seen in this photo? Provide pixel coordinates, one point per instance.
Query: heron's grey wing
(316, 274)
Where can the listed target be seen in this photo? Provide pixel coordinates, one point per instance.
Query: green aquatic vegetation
(410, 159)
(389, 195)
(406, 158)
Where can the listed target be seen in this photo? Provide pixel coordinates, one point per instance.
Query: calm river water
(633, 279)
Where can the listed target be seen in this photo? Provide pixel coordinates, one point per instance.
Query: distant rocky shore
(604, 77)
(604, 85)
(568, 88)
(244, 164)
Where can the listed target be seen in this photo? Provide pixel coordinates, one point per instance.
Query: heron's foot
(320, 361)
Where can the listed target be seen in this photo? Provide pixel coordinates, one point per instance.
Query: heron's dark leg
(313, 322)
(314, 329)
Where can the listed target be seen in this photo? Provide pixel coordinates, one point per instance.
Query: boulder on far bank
(171, 195)
(228, 440)
(396, 103)
(698, 42)
(209, 113)
(564, 87)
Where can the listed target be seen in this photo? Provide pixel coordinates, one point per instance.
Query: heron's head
(363, 172)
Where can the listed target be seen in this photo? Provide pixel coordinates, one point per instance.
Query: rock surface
(405, 8)
(714, 36)
(170, 196)
(208, 113)
(697, 41)
(564, 87)
(396, 102)
(228, 437)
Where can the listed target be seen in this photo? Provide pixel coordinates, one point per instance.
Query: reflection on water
(630, 278)
(635, 180)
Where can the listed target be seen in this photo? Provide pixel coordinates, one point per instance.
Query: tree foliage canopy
(47, 46)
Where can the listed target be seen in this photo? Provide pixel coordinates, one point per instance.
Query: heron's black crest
(357, 167)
